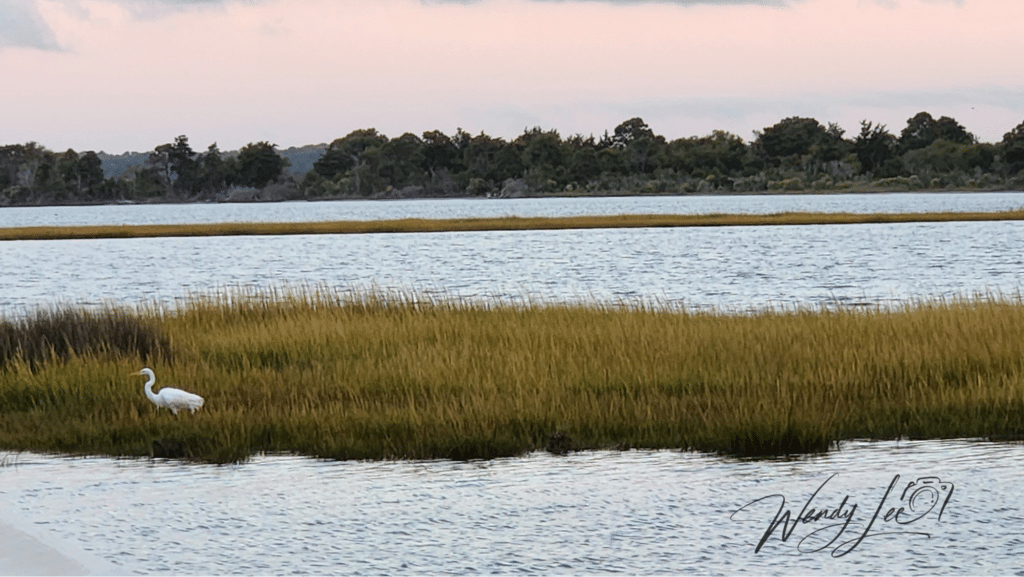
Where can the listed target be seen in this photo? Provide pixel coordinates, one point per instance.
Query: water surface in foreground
(660, 512)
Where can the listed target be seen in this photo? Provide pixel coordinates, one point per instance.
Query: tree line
(31, 174)
(794, 154)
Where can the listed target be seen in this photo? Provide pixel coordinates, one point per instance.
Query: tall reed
(59, 332)
(374, 375)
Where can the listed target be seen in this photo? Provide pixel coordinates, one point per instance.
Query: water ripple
(723, 268)
(651, 512)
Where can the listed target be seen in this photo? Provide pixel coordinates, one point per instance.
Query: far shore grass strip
(416, 225)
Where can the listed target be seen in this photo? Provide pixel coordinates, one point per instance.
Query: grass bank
(482, 224)
(394, 376)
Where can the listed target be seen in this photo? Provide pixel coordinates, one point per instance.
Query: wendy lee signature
(840, 528)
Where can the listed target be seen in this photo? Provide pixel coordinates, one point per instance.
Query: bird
(169, 398)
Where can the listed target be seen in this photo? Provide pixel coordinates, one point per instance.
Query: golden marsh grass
(485, 224)
(398, 376)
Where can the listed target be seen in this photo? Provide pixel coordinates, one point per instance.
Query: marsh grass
(60, 332)
(482, 224)
(369, 376)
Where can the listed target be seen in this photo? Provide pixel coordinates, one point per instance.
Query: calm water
(731, 267)
(593, 513)
(465, 208)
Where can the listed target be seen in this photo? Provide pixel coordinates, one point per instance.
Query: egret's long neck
(149, 389)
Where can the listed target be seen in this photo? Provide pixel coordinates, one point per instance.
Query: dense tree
(792, 136)
(831, 146)
(939, 157)
(342, 155)
(630, 130)
(542, 155)
(1012, 147)
(86, 174)
(540, 149)
(919, 132)
(874, 147)
(215, 173)
(160, 161)
(489, 159)
(948, 129)
(719, 153)
(401, 161)
(184, 167)
(439, 152)
(795, 151)
(582, 161)
(922, 130)
(18, 164)
(641, 149)
(259, 164)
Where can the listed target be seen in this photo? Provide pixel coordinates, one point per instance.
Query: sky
(128, 75)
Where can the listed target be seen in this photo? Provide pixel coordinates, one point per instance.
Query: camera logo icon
(923, 496)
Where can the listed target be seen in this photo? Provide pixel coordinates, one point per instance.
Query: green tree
(488, 159)
(948, 129)
(582, 161)
(875, 147)
(630, 130)
(542, 156)
(259, 164)
(401, 161)
(1012, 147)
(439, 152)
(642, 150)
(922, 130)
(160, 161)
(831, 146)
(88, 174)
(184, 167)
(215, 173)
(720, 153)
(792, 137)
(342, 155)
(177, 166)
(145, 181)
(919, 132)
(19, 163)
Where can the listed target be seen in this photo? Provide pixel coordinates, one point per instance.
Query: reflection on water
(726, 268)
(590, 513)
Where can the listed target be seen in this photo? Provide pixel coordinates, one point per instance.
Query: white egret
(169, 398)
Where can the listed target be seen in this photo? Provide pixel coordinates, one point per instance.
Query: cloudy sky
(119, 75)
